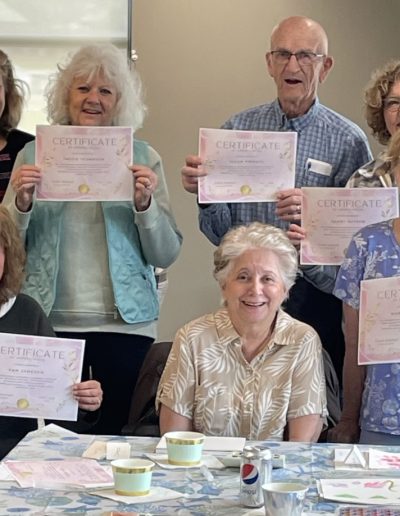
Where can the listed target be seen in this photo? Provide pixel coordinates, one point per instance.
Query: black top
(16, 141)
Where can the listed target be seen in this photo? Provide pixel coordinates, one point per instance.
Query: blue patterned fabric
(374, 253)
(322, 135)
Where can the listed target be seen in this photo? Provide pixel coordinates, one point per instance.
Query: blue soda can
(255, 470)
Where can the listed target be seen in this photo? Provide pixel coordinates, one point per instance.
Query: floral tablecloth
(200, 496)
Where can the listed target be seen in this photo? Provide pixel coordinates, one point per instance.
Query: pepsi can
(255, 470)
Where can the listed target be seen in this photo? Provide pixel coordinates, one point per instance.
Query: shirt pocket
(213, 410)
(317, 173)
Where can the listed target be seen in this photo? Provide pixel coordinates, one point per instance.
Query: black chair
(143, 419)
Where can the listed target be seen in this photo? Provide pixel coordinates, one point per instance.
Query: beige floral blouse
(208, 380)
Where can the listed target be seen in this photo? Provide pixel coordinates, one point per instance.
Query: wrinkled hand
(24, 180)
(145, 183)
(88, 394)
(191, 173)
(296, 234)
(346, 431)
(288, 206)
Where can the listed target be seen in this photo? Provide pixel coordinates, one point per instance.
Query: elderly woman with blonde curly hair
(249, 369)
(21, 314)
(382, 111)
(90, 265)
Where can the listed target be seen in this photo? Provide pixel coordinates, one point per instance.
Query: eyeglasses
(303, 58)
(392, 104)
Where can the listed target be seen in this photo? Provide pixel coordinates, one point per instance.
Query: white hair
(256, 236)
(88, 62)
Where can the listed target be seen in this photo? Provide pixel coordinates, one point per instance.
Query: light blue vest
(132, 278)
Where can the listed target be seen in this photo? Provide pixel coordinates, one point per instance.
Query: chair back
(143, 419)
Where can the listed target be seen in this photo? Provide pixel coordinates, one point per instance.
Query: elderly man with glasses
(329, 149)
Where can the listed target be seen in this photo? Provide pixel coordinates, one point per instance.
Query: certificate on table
(379, 326)
(246, 166)
(84, 163)
(331, 216)
(55, 474)
(37, 374)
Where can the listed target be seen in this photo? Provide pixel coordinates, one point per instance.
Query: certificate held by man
(246, 166)
(379, 328)
(82, 163)
(37, 375)
(331, 216)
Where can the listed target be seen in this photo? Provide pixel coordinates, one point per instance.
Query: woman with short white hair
(248, 369)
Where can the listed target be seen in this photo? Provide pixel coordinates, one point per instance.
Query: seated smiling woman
(248, 369)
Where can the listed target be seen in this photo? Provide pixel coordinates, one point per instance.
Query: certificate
(84, 163)
(37, 375)
(245, 166)
(379, 326)
(331, 216)
(55, 474)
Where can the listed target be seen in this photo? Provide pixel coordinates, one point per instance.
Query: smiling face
(92, 101)
(297, 85)
(392, 116)
(254, 290)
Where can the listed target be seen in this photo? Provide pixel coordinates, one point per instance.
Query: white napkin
(207, 460)
(156, 494)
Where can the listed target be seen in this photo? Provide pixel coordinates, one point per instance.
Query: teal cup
(132, 477)
(184, 448)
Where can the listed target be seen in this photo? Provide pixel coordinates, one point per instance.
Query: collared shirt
(208, 380)
(374, 253)
(322, 135)
(374, 174)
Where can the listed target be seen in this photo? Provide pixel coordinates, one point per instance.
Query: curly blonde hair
(14, 96)
(377, 90)
(14, 257)
(256, 236)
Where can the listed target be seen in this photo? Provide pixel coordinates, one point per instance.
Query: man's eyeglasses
(392, 104)
(303, 58)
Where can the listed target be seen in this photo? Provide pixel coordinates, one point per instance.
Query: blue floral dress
(374, 253)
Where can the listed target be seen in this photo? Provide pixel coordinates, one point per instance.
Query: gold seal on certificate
(84, 188)
(22, 403)
(245, 189)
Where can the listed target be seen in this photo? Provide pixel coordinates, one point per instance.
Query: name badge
(319, 167)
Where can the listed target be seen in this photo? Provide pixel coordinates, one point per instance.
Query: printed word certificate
(37, 375)
(379, 326)
(331, 216)
(84, 163)
(245, 166)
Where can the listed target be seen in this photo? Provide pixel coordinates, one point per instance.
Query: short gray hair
(87, 62)
(256, 236)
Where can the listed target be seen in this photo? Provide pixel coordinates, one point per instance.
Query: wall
(203, 60)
